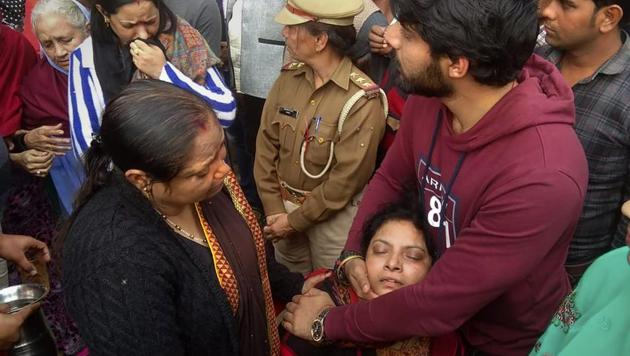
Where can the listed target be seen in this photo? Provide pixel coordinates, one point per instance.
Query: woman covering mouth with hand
(138, 39)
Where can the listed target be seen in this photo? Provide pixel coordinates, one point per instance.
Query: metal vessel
(36, 339)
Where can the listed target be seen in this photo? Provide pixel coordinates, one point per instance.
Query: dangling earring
(106, 22)
(148, 190)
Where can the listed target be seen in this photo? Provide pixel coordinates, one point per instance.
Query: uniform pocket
(286, 132)
(318, 149)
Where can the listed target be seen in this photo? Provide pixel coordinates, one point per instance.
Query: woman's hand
(45, 138)
(356, 273)
(33, 161)
(148, 59)
(278, 227)
(313, 281)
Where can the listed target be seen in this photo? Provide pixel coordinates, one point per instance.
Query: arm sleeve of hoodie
(513, 231)
(395, 173)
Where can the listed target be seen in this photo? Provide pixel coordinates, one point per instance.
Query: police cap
(333, 12)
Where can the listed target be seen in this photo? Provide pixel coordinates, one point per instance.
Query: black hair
(624, 4)
(151, 126)
(496, 36)
(102, 33)
(404, 210)
(340, 38)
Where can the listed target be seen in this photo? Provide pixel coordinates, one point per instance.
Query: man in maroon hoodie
(501, 175)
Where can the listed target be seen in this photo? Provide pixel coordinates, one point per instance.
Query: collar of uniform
(615, 65)
(341, 75)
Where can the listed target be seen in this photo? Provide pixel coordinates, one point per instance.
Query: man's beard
(428, 82)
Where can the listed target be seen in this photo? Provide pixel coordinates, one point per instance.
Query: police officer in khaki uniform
(320, 130)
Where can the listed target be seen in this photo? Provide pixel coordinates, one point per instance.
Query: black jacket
(134, 287)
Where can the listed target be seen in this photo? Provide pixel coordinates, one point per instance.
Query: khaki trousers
(320, 245)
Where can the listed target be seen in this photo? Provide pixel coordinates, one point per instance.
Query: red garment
(16, 58)
(512, 209)
(396, 102)
(44, 95)
(28, 25)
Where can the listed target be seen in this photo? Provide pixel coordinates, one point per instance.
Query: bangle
(345, 257)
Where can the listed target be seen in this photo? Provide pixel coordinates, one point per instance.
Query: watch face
(316, 330)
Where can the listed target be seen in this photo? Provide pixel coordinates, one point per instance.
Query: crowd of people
(301, 177)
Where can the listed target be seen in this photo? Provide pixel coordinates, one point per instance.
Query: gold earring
(147, 189)
(106, 22)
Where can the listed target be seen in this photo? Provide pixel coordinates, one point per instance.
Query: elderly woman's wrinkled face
(58, 38)
(138, 19)
(396, 257)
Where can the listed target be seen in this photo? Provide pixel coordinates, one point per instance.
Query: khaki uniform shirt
(292, 107)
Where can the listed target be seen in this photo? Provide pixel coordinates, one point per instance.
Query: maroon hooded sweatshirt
(511, 191)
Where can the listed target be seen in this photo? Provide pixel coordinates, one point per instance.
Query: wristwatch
(317, 328)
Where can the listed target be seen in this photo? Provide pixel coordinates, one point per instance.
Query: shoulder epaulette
(371, 89)
(293, 66)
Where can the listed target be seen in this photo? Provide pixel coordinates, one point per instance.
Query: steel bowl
(19, 296)
(36, 339)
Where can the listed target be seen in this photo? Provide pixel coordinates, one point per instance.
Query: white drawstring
(342, 119)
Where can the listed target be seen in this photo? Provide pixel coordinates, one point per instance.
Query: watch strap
(318, 333)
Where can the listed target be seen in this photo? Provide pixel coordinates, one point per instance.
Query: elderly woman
(135, 39)
(60, 26)
(319, 133)
(163, 255)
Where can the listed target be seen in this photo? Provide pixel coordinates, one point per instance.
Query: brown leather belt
(293, 195)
